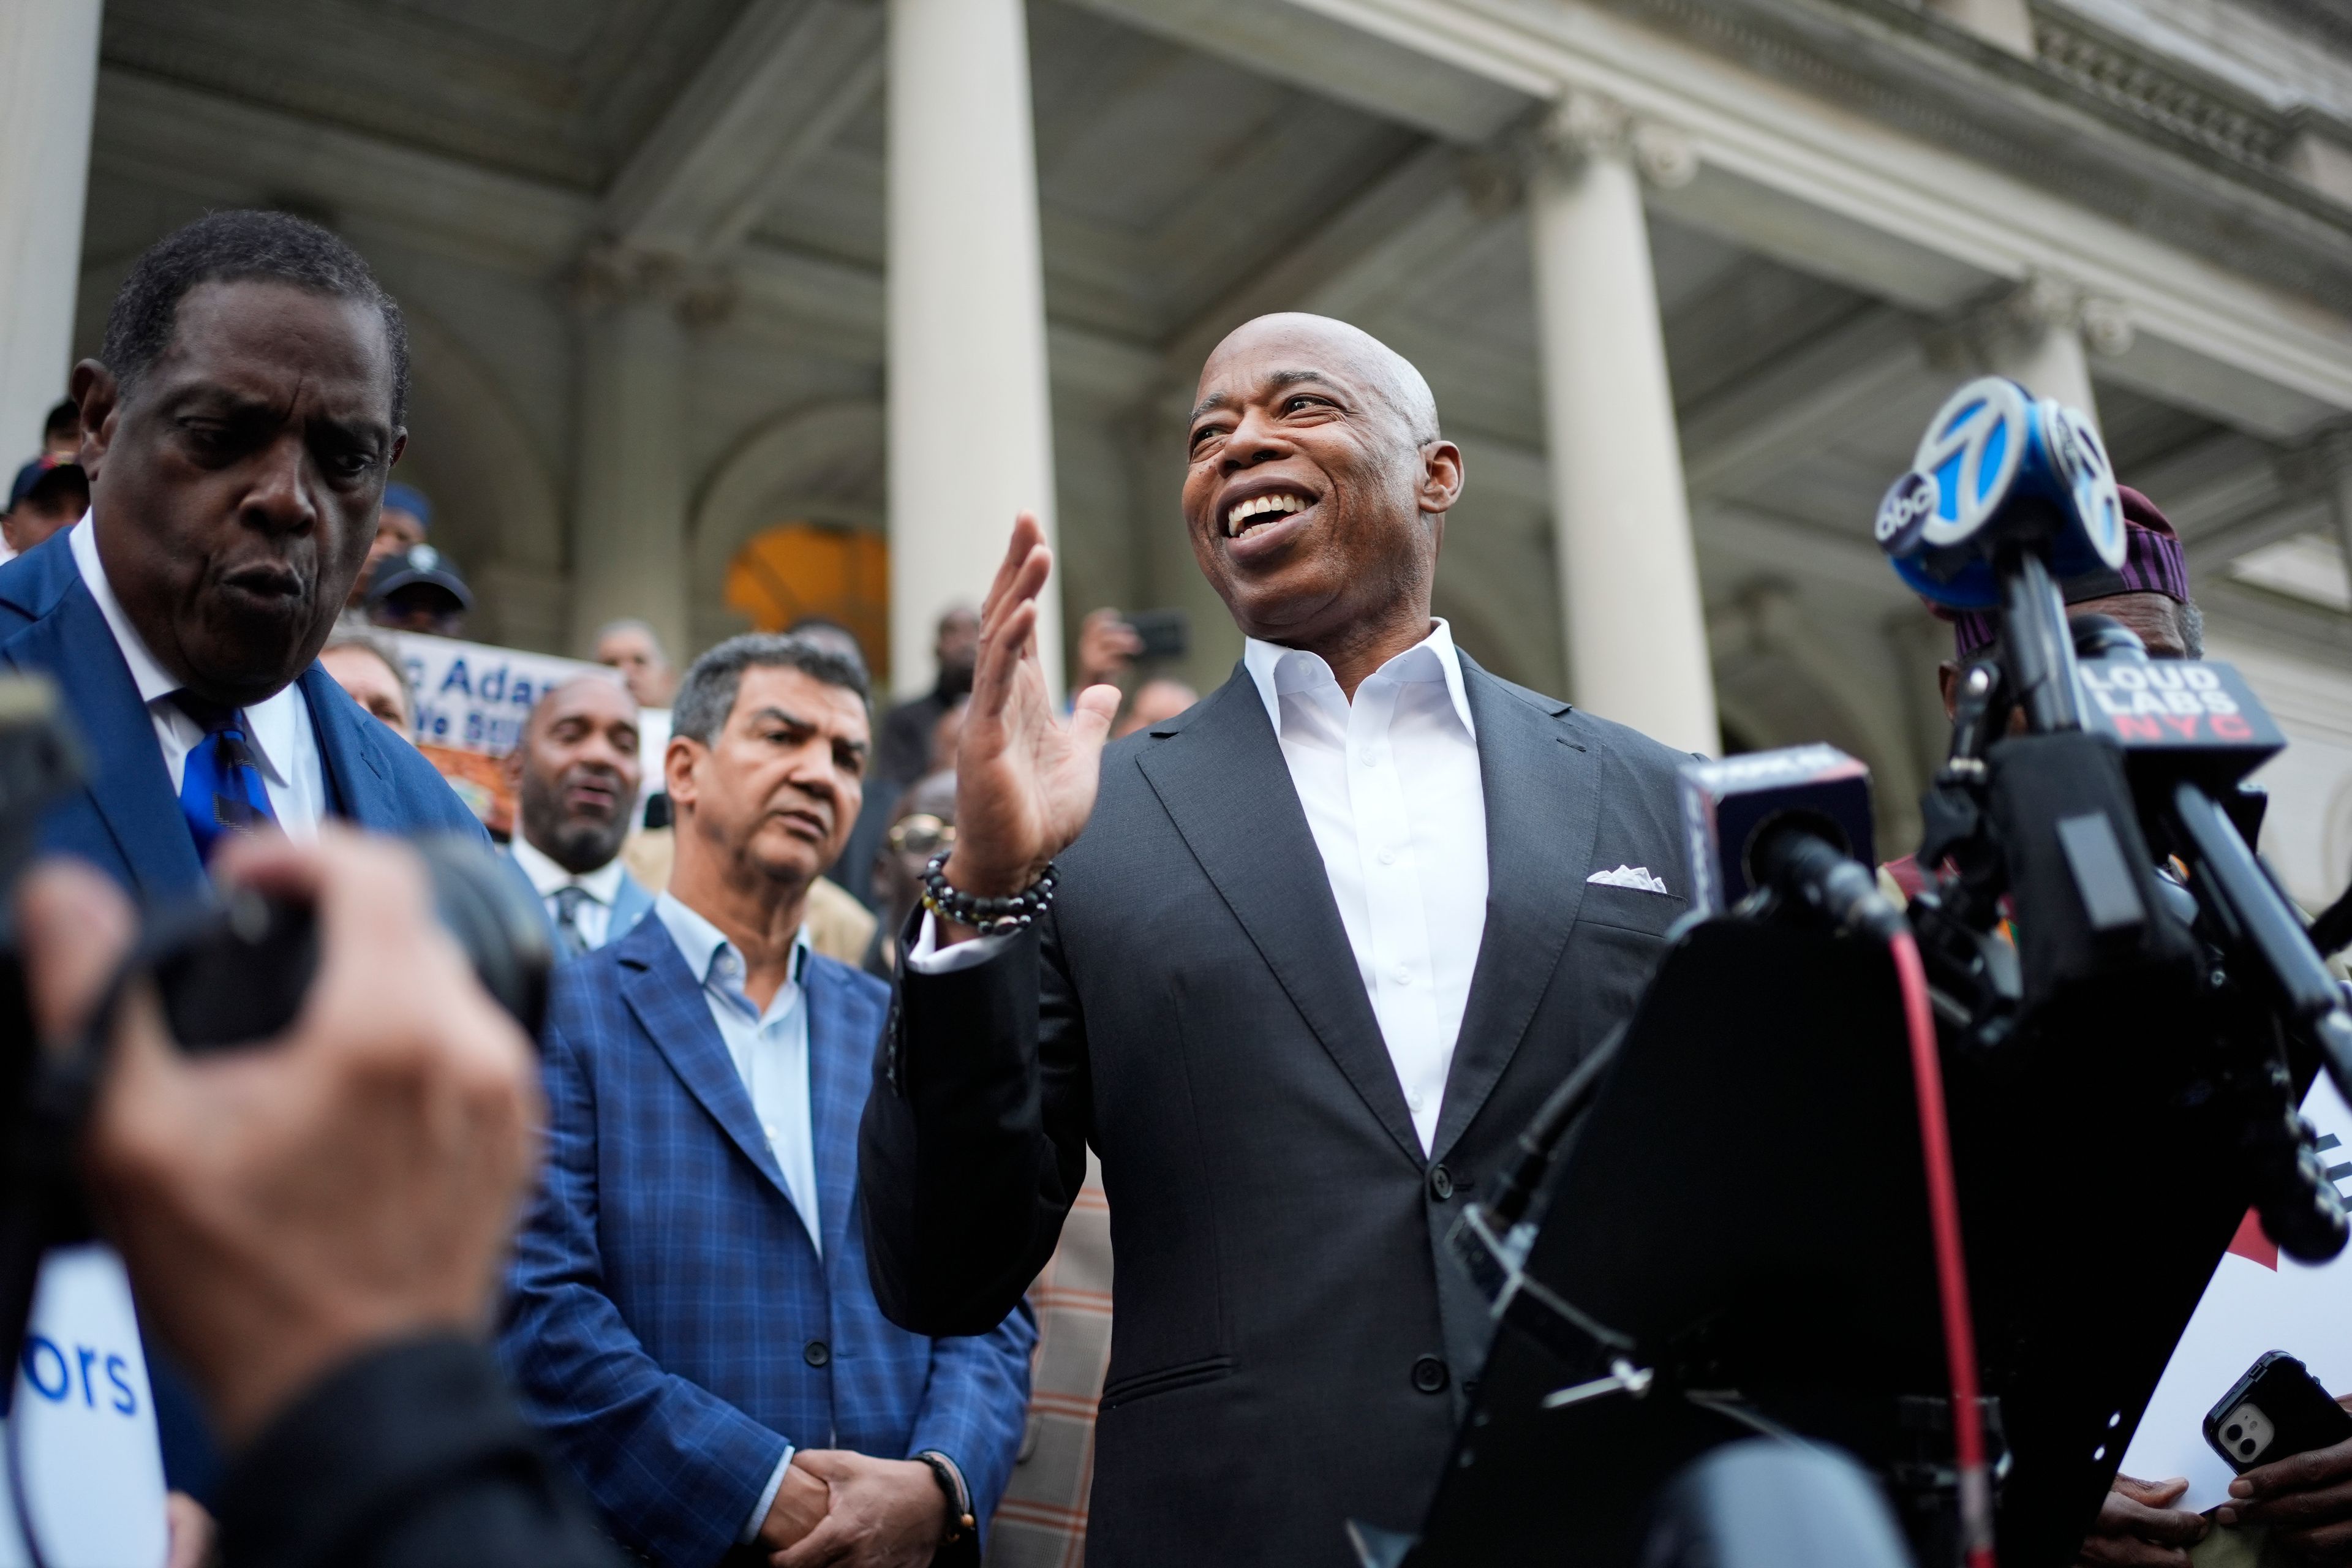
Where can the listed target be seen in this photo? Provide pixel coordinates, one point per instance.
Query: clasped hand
(836, 1507)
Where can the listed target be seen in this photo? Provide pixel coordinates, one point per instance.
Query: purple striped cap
(2153, 564)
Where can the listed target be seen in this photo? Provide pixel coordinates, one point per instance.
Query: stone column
(629, 548)
(48, 83)
(2043, 334)
(1629, 578)
(971, 438)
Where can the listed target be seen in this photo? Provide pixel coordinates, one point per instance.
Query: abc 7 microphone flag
(1994, 448)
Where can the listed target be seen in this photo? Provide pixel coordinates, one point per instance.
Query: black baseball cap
(46, 478)
(419, 566)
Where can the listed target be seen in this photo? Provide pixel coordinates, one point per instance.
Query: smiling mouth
(1244, 518)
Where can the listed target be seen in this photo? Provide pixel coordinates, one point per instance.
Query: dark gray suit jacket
(1289, 1337)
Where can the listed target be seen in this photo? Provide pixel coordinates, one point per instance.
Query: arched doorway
(794, 569)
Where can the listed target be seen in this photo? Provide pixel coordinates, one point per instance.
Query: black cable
(2332, 931)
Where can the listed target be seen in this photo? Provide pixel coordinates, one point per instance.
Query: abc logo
(1904, 514)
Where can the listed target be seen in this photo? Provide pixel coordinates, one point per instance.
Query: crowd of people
(814, 1257)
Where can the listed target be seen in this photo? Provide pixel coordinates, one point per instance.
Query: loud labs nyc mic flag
(2258, 1300)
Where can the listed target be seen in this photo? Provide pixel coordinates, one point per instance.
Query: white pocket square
(1635, 876)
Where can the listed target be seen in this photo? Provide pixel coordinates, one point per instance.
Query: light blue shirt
(771, 1052)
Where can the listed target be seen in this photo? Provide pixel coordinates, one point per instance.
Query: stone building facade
(694, 278)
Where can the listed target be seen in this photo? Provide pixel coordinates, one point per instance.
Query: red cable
(1951, 1262)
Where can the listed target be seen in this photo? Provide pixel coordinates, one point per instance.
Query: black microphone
(1796, 822)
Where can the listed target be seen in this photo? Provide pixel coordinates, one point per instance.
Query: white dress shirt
(1395, 799)
(771, 1052)
(285, 748)
(603, 886)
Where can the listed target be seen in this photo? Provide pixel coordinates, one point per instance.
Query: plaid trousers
(1042, 1522)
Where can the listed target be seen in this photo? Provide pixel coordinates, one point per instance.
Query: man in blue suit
(575, 775)
(690, 1319)
(238, 425)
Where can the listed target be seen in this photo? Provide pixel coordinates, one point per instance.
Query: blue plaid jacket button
(817, 1352)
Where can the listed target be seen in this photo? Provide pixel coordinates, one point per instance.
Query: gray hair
(707, 695)
(371, 642)
(631, 624)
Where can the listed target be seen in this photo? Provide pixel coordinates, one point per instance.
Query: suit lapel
(357, 790)
(128, 782)
(671, 1009)
(838, 1078)
(1222, 780)
(1541, 819)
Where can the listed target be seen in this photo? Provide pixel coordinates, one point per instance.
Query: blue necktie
(222, 786)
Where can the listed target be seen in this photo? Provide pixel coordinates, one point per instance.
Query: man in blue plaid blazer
(690, 1321)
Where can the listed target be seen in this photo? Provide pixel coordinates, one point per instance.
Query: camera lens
(2235, 1433)
(2247, 1448)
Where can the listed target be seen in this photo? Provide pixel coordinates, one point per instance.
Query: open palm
(1024, 778)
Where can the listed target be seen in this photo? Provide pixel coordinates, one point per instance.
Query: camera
(229, 972)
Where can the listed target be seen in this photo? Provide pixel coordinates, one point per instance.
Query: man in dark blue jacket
(239, 423)
(238, 428)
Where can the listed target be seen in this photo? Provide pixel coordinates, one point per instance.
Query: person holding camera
(316, 1225)
(1327, 941)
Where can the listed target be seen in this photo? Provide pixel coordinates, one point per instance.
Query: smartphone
(1165, 634)
(2276, 1410)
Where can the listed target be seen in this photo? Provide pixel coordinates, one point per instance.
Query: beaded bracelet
(993, 917)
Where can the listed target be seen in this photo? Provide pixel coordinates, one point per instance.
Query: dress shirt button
(1388, 856)
(1429, 1375)
(1403, 976)
(817, 1352)
(1370, 759)
(1441, 1183)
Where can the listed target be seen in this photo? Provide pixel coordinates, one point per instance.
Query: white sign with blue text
(93, 1473)
(473, 697)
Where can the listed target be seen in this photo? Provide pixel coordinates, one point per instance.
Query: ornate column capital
(1582, 125)
(609, 274)
(2048, 302)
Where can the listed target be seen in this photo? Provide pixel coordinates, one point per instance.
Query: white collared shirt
(277, 728)
(603, 886)
(1392, 792)
(1395, 798)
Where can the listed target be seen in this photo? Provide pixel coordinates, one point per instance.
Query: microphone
(2004, 491)
(1795, 821)
(2191, 730)
(1999, 466)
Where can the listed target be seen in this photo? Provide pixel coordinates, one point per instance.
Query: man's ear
(1947, 681)
(1442, 477)
(677, 770)
(94, 388)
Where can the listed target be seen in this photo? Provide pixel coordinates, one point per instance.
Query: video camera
(229, 974)
(1744, 1213)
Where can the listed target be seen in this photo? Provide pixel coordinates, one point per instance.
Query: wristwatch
(950, 1480)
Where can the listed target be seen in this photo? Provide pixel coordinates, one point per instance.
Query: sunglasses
(920, 833)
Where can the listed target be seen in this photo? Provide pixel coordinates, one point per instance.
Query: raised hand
(1024, 778)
